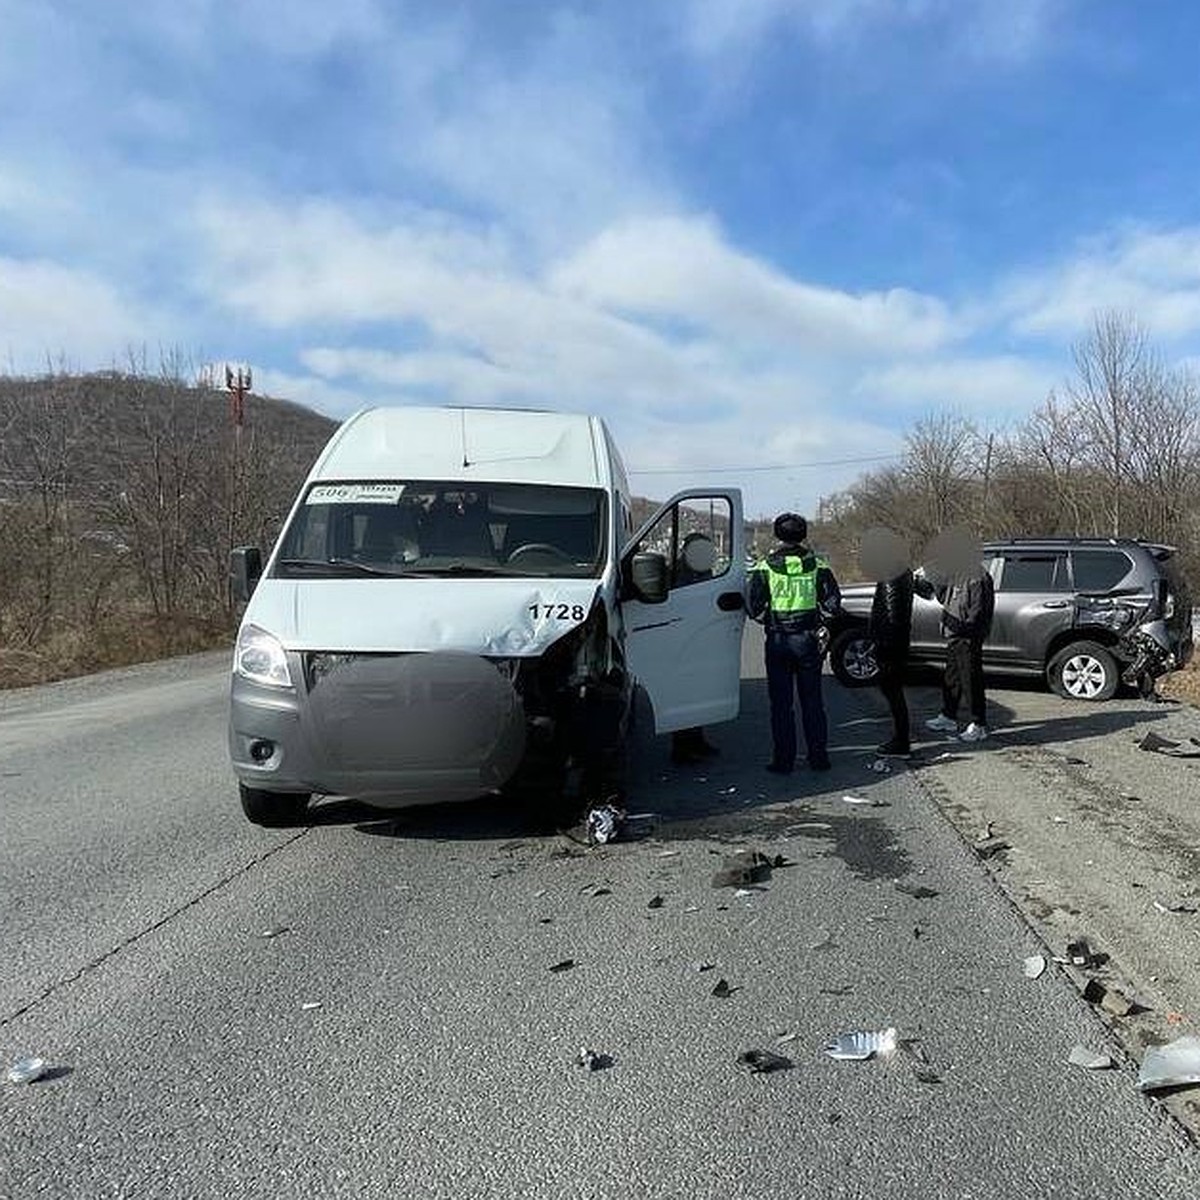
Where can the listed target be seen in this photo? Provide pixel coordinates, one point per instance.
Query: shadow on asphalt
(731, 797)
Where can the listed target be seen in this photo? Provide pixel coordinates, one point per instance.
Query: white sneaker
(973, 733)
(942, 724)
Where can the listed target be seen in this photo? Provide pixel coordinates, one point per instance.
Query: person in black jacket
(968, 598)
(884, 556)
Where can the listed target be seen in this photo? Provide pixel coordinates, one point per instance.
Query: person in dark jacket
(792, 591)
(884, 556)
(968, 600)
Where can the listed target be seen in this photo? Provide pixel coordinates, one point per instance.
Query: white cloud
(1155, 275)
(978, 387)
(682, 269)
(48, 310)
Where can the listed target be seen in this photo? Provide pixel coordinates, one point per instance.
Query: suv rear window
(1034, 573)
(1099, 570)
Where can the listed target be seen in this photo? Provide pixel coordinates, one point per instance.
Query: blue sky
(747, 232)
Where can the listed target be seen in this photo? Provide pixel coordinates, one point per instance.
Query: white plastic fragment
(861, 1045)
(1090, 1060)
(1035, 964)
(1172, 1065)
(27, 1070)
(309, 1005)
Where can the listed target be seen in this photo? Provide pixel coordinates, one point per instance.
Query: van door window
(694, 537)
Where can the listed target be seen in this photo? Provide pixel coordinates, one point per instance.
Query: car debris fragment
(310, 1005)
(918, 890)
(863, 802)
(27, 1070)
(604, 824)
(989, 846)
(593, 1060)
(1080, 954)
(1161, 745)
(1090, 1060)
(1116, 1003)
(1034, 966)
(722, 990)
(1174, 1065)
(881, 766)
(559, 967)
(275, 931)
(763, 1062)
(860, 1045)
(1173, 908)
(656, 902)
(746, 867)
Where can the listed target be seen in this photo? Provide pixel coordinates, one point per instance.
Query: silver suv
(1085, 613)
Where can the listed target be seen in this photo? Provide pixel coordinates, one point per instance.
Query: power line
(829, 462)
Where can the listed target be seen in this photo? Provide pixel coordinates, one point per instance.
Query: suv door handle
(1056, 604)
(730, 601)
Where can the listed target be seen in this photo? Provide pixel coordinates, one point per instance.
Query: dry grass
(118, 642)
(1184, 685)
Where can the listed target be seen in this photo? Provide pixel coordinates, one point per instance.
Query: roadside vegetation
(122, 493)
(120, 496)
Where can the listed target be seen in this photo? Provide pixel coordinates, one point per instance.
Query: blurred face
(953, 556)
(883, 554)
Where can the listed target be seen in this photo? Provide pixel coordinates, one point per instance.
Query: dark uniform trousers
(964, 678)
(794, 669)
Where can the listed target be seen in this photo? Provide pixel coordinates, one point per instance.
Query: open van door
(684, 648)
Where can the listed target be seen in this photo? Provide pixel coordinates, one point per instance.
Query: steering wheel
(540, 548)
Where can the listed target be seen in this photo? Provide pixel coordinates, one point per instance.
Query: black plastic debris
(594, 1060)
(746, 867)
(1156, 744)
(565, 965)
(722, 990)
(989, 846)
(919, 890)
(1075, 761)
(1079, 954)
(763, 1062)
(656, 902)
(275, 931)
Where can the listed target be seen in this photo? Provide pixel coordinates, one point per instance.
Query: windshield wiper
(335, 564)
(465, 569)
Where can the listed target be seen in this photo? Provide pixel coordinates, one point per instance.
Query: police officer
(792, 590)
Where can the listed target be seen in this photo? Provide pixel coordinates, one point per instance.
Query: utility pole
(238, 381)
(987, 485)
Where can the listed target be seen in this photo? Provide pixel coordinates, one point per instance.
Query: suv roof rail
(1059, 539)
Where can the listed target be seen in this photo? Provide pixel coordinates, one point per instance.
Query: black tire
(1084, 671)
(852, 659)
(274, 810)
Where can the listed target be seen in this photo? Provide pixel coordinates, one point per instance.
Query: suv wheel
(1084, 671)
(852, 658)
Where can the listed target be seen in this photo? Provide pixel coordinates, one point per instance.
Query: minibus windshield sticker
(355, 493)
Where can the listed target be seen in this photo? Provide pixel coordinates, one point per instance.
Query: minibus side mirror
(245, 570)
(648, 577)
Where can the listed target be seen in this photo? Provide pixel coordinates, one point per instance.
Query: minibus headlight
(260, 657)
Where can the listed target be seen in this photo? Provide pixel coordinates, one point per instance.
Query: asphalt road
(439, 1059)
